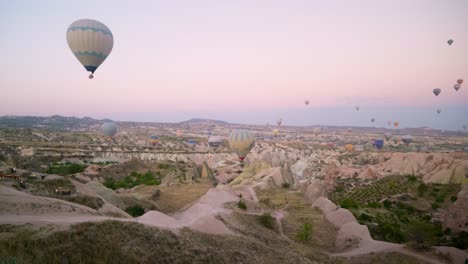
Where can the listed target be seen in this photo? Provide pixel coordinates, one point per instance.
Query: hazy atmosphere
(173, 60)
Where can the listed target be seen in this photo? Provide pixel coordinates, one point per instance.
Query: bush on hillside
(305, 232)
(135, 210)
(266, 220)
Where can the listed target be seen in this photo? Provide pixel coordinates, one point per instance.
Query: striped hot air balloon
(91, 41)
(241, 141)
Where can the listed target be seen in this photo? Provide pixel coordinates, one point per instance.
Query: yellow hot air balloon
(91, 41)
(349, 147)
(241, 142)
(275, 132)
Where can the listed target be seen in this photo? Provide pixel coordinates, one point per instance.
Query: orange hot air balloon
(349, 147)
(396, 123)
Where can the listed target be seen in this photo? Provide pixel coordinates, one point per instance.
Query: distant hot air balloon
(179, 133)
(349, 147)
(241, 141)
(438, 111)
(357, 107)
(279, 121)
(389, 123)
(275, 132)
(372, 120)
(396, 139)
(464, 126)
(91, 41)
(154, 139)
(407, 139)
(388, 136)
(450, 41)
(460, 81)
(316, 130)
(191, 142)
(456, 86)
(379, 143)
(396, 123)
(109, 129)
(307, 102)
(215, 141)
(436, 91)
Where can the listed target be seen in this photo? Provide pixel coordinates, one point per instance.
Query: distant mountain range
(203, 121)
(54, 122)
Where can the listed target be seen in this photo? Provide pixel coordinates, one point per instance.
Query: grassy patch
(119, 242)
(134, 179)
(65, 169)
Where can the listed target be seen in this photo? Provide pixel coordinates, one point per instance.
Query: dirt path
(372, 246)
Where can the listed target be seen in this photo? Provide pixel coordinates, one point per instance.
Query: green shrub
(67, 169)
(133, 180)
(266, 220)
(285, 185)
(163, 166)
(440, 199)
(423, 235)
(412, 178)
(453, 199)
(422, 188)
(365, 217)
(374, 204)
(435, 206)
(135, 210)
(460, 240)
(349, 203)
(305, 232)
(387, 204)
(241, 204)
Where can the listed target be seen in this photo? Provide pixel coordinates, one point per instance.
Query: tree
(305, 232)
(421, 234)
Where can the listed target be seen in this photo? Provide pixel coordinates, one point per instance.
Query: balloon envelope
(438, 111)
(459, 81)
(388, 136)
(215, 141)
(379, 143)
(241, 141)
(456, 86)
(450, 41)
(307, 102)
(91, 42)
(275, 132)
(396, 123)
(436, 91)
(349, 147)
(372, 120)
(357, 108)
(407, 139)
(109, 129)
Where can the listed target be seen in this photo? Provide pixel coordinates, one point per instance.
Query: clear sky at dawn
(242, 61)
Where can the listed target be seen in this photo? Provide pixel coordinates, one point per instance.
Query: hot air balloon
(357, 107)
(450, 41)
(438, 111)
(241, 141)
(389, 123)
(191, 142)
(459, 81)
(379, 143)
(154, 139)
(275, 132)
(436, 91)
(372, 120)
(215, 141)
(464, 126)
(91, 41)
(307, 102)
(396, 123)
(316, 130)
(109, 129)
(407, 139)
(456, 86)
(388, 136)
(349, 147)
(179, 133)
(396, 139)
(279, 121)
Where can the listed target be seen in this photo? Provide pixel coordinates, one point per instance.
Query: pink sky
(235, 55)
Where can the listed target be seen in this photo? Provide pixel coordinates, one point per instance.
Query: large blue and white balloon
(91, 42)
